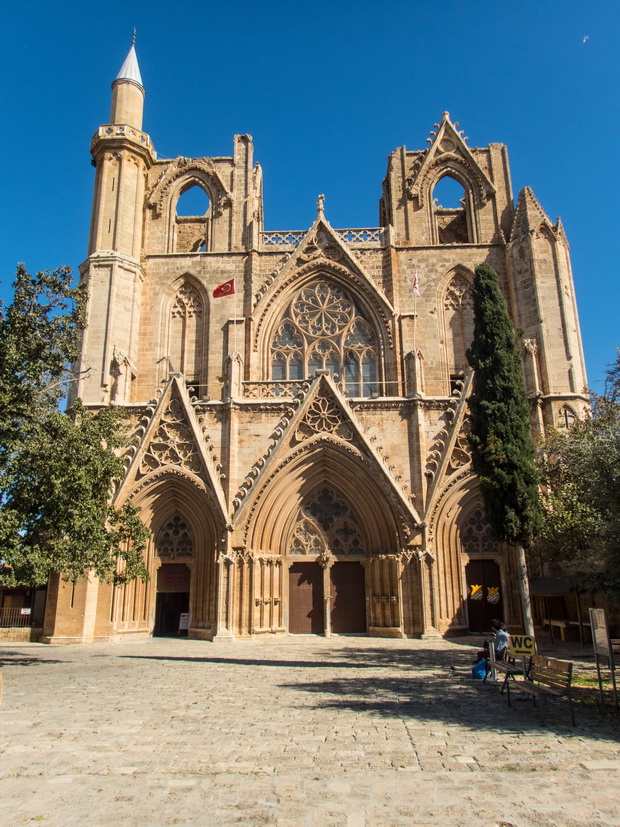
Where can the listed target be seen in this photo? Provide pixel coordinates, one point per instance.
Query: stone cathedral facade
(301, 452)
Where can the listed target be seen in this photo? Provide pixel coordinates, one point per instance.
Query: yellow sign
(475, 592)
(493, 594)
(522, 645)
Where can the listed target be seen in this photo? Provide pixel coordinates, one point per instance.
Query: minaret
(128, 92)
(122, 155)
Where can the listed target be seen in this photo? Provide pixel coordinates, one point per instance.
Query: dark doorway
(168, 611)
(305, 599)
(348, 599)
(172, 599)
(484, 597)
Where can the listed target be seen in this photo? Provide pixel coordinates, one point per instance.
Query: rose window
(322, 329)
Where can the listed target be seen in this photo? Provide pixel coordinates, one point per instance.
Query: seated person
(501, 641)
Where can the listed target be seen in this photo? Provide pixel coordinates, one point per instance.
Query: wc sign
(522, 645)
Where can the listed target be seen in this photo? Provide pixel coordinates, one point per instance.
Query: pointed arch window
(186, 321)
(323, 329)
(566, 417)
(450, 206)
(459, 322)
(192, 214)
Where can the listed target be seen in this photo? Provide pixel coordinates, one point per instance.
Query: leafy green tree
(503, 451)
(580, 469)
(57, 472)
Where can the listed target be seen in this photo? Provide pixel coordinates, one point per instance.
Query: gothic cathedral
(299, 398)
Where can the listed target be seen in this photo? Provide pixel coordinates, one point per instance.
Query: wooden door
(484, 597)
(348, 598)
(305, 599)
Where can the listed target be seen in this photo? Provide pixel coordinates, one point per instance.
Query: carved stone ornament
(323, 417)
(320, 244)
(173, 443)
(461, 452)
(175, 540)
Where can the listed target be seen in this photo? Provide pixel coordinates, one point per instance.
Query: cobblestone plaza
(303, 731)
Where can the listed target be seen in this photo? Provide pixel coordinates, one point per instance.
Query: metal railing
(291, 238)
(15, 616)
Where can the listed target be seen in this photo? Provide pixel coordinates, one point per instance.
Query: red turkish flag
(225, 289)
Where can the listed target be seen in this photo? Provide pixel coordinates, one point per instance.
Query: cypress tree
(501, 438)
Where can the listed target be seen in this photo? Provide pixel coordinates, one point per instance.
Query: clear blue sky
(327, 90)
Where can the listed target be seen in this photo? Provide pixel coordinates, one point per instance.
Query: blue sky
(327, 90)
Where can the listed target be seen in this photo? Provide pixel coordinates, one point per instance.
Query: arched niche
(184, 331)
(457, 320)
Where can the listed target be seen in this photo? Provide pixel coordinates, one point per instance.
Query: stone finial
(320, 205)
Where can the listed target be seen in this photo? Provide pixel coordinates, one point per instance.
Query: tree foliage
(56, 471)
(503, 452)
(580, 470)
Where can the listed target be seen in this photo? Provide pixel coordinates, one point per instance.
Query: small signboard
(602, 648)
(600, 635)
(25, 611)
(184, 622)
(522, 646)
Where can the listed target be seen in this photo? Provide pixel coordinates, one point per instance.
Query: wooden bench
(548, 678)
(506, 667)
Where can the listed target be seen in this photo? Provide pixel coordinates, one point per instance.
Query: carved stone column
(326, 562)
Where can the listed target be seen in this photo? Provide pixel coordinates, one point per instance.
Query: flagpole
(415, 310)
(235, 317)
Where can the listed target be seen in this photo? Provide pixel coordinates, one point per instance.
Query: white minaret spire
(128, 91)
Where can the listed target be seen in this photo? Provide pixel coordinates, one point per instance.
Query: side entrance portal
(484, 597)
(172, 599)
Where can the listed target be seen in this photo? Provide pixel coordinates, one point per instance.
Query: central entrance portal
(305, 599)
(348, 599)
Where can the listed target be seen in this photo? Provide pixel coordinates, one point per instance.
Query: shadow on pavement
(19, 659)
(299, 664)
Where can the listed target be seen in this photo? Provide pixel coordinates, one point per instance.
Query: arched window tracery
(326, 524)
(175, 539)
(323, 329)
(477, 536)
(459, 322)
(186, 321)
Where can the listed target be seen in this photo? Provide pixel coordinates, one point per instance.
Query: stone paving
(297, 731)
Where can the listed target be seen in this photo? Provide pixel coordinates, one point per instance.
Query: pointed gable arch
(316, 465)
(448, 154)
